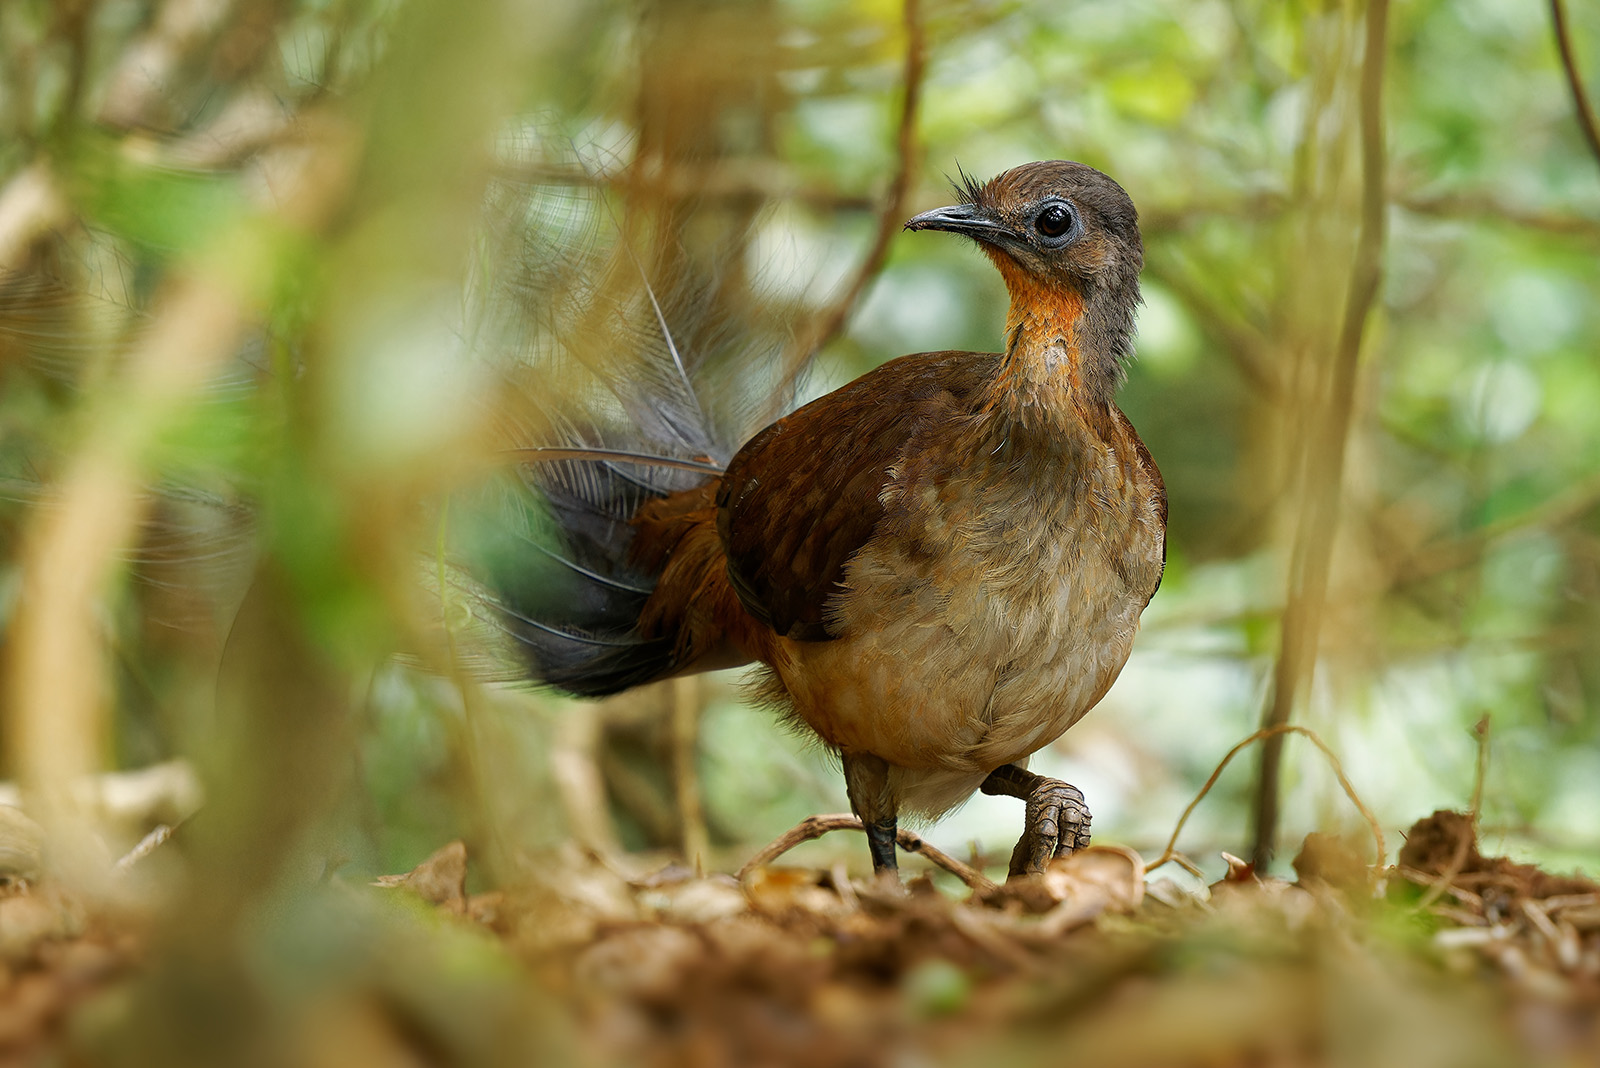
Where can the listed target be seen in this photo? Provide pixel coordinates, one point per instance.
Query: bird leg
(1057, 821)
(866, 782)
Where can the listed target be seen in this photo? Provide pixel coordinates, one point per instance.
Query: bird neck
(1064, 348)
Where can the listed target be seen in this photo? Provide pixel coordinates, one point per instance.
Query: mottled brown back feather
(788, 538)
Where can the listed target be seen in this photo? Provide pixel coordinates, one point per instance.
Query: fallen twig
(978, 927)
(1423, 878)
(147, 845)
(1446, 878)
(813, 827)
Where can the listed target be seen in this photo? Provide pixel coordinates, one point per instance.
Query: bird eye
(1054, 220)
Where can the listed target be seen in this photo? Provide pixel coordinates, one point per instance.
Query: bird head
(1066, 239)
(1059, 221)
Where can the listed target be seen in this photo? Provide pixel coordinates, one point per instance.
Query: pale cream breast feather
(1017, 597)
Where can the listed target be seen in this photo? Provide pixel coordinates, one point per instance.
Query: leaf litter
(797, 965)
(1447, 958)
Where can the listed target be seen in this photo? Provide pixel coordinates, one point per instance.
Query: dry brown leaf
(1332, 860)
(31, 918)
(778, 890)
(696, 900)
(1090, 882)
(440, 880)
(645, 962)
(21, 844)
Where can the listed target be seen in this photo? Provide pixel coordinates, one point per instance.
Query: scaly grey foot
(881, 841)
(866, 781)
(1057, 820)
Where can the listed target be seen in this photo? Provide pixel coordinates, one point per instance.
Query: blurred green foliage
(324, 162)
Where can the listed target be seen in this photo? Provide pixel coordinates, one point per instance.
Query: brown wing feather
(1158, 491)
(802, 496)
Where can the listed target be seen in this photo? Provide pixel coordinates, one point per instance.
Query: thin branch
(1162, 219)
(1484, 206)
(816, 826)
(1269, 733)
(827, 324)
(1569, 63)
(758, 180)
(1319, 506)
(770, 181)
(1240, 343)
(1559, 511)
(684, 697)
(1156, 219)
(468, 733)
(72, 29)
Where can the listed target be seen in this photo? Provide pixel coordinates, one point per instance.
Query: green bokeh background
(322, 449)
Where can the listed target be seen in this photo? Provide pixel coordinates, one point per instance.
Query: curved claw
(1058, 823)
(1057, 817)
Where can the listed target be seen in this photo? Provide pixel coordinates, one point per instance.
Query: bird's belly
(973, 655)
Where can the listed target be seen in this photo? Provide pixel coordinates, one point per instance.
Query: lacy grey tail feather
(612, 334)
(61, 311)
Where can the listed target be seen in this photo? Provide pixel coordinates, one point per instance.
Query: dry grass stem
(1170, 852)
(1437, 885)
(1480, 734)
(146, 845)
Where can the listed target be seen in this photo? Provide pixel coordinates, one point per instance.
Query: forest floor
(1448, 958)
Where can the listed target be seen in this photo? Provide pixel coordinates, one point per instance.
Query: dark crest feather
(968, 189)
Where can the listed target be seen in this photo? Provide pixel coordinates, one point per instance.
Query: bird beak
(966, 219)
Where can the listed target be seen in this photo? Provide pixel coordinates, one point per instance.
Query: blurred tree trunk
(1326, 371)
(707, 99)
